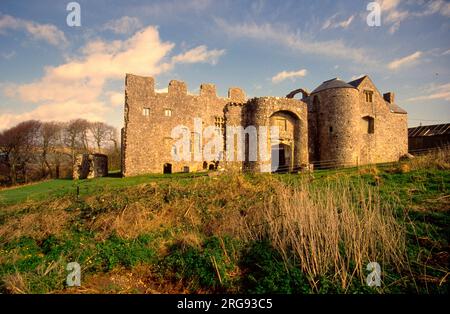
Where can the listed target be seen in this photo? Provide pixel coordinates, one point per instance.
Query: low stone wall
(88, 166)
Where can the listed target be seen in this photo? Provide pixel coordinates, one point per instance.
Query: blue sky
(50, 71)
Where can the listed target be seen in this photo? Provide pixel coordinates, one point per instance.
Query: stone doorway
(281, 158)
(167, 168)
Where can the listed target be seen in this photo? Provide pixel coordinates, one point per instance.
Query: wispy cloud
(8, 55)
(296, 41)
(405, 61)
(283, 75)
(46, 32)
(354, 77)
(124, 25)
(393, 14)
(332, 22)
(171, 7)
(199, 54)
(434, 92)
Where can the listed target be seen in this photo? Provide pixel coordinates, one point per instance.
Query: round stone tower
(333, 120)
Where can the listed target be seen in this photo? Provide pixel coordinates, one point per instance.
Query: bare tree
(18, 146)
(76, 136)
(113, 137)
(50, 148)
(102, 133)
(50, 135)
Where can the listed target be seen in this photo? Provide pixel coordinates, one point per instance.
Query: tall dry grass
(333, 229)
(438, 159)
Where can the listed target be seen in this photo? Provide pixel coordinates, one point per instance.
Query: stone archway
(286, 149)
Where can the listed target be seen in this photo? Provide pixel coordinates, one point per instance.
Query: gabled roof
(333, 83)
(395, 108)
(429, 130)
(358, 81)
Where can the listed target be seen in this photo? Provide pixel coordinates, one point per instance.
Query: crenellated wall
(147, 140)
(335, 125)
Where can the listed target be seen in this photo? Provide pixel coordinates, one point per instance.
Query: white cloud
(93, 111)
(405, 61)
(124, 25)
(199, 54)
(332, 23)
(283, 75)
(116, 99)
(435, 93)
(46, 32)
(296, 41)
(76, 87)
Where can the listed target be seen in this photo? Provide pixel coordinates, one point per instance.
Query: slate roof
(333, 83)
(395, 108)
(355, 83)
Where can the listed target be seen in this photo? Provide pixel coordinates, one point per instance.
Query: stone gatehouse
(337, 124)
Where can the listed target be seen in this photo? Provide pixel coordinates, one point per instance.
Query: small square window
(146, 112)
(168, 112)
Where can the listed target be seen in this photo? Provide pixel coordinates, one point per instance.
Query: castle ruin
(337, 124)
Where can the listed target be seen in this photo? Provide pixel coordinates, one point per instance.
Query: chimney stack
(389, 97)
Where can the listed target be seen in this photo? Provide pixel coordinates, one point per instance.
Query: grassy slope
(61, 187)
(172, 258)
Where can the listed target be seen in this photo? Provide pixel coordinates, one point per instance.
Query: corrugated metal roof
(333, 83)
(429, 130)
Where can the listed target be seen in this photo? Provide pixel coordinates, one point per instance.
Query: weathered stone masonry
(338, 122)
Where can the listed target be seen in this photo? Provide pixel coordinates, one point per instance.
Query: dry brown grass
(36, 220)
(15, 284)
(334, 229)
(438, 159)
(140, 279)
(207, 204)
(370, 169)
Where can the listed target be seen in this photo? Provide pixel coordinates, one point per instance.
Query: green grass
(420, 199)
(60, 187)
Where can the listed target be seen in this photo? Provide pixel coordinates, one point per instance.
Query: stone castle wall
(333, 126)
(338, 125)
(147, 139)
(88, 166)
(330, 126)
(390, 138)
(264, 111)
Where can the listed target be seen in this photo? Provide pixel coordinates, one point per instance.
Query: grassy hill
(234, 233)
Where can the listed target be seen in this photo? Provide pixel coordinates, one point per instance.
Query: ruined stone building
(337, 124)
